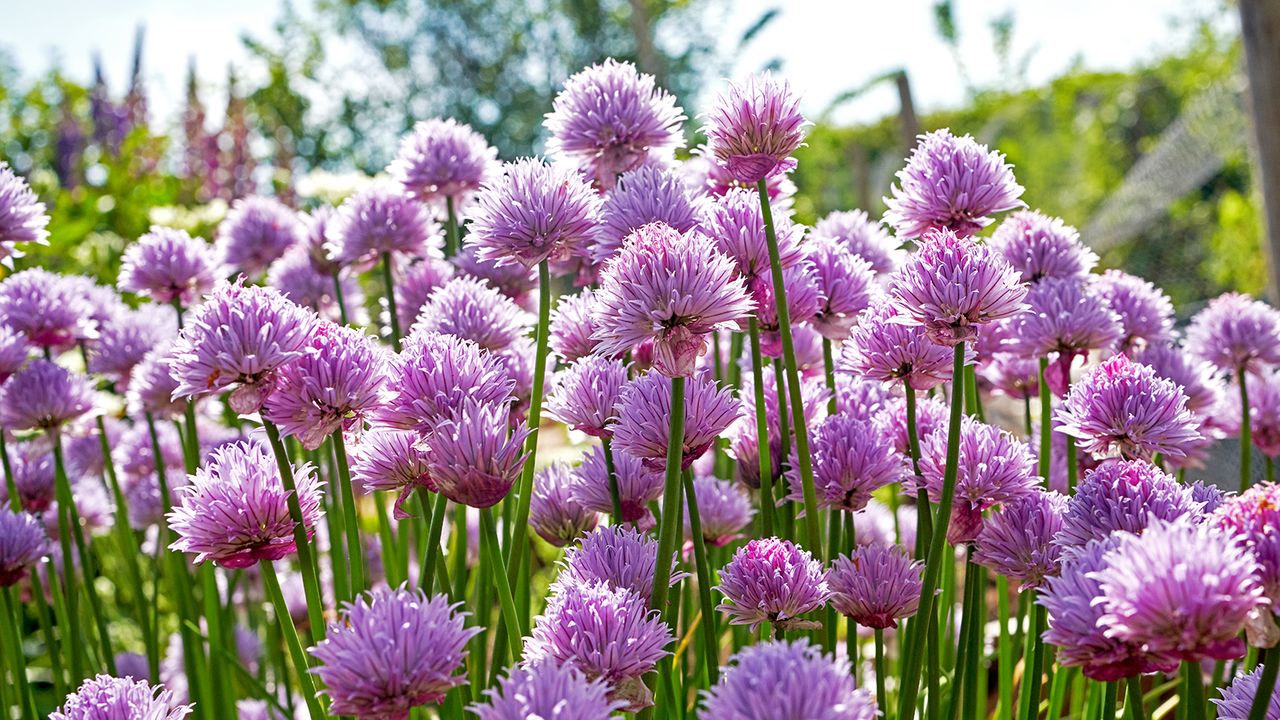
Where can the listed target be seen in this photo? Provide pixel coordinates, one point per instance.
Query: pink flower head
(754, 127)
(22, 216)
(1018, 540)
(804, 297)
(473, 310)
(572, 329)
(392, 460)
(863, 237)
(296, 276)
(774, 680)
(549, 691)
(377, 221)
(584, 395)
(1040, 247)
(51, 310)
(554, 513)
(1066, 320)
(44, 396)
(638, 485)
(735, 222)
(109, 698)
(534, 212)
(846, 283)
(22, 543)
(875, 585)
(772, 580)
(883, 347)
(851, 460)
(433, 375)
(644, 409)
(167, 264)
(1123, 496)
(1146, 313)
(416, 282)
(622, 557)
(474, 457)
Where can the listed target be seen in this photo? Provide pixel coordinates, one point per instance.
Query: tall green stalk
(615, 496)
(350, 516)
(506, 601)
(1133, 700)
(1246, 433)
(13, 649)
(710, 635)
(1266, 683)
(1046, 422)
(306, 559)
(306, 680)
(1033, 664)
(431, 559)
(670, 529)
(762, 431)
(389, 287)
(1193, 689)
(450, 228)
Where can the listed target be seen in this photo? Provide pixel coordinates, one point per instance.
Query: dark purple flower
(443, 159)
(951, 183)
(534, 212)
(851, 460)
(584, 394)
(51, 310)
(33, 474)
(415, 284)
(378, 221)
(863, 237)
(876, 585)
(123, 342)
(152, 385)
(1066, 320)
(234, 511)
(1041, 247)
(474, 457)
(391, 460)
(547, 691)
(22, 543)
(622, 557)
(473, 310)
(1235, 333)
(108, 698)
(644, 409)
(240, 336)
(846, 283)
(1146, 313)
(256, 232)
(1018, 540)
(22, 216)
(44, 396)
(169, 265)
(724, 510)
(754, 127)
(1237, 698)
(572, 329)
(638, 485)
(554, 513)
(777, 680)
(648, 194)
(736, 223)
(391, 651)
(609, 118)
(885, 347)
(772, 580)
(431, 377)
(296, 277)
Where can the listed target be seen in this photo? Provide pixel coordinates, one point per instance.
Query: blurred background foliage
(308, 131)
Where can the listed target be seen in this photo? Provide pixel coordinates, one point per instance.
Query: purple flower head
(169, 265)
(1235, 332)
(44, 396)
(804, 300)
(443, 159)
(609, 118)
(638, 485)
(852, 458)
(416, 284)
(584, 395)
(473, 310)
(778, 680)
(623, 557)
(432, 376)
(22, 543)
(1075, 604)
(861, 397)
(608, 633)
(1041, 247)
(317, 237)
(724, 510)
(951, 183)
(1122, 407)
(103, 302)
(152, 385)
(1194, 376)
(296, 277)
(883, 347)
(474, 457)
(378, 221)
(333, 385)
(862, 236)
(670, 288)
(1065, 319)
(33, 474)
(644, 410)
(772, 580)
(534, 212)
(645, 195)
(876, 585)
(256, 232)
(1237, 698)
(1146, 313)
(547, 691)
(235, 510)
(132, 665)
(1018, 540)
(994, 468)
(952, 285)
(108, 698)
(51, 310)
(931, 415)
(14, 351)
(1180, 590)
(1123, 496)
(240, 336)
(22, 216)
(391, 651)
(1016, 376)
(572, 329)
(134, 457)
(392, 460)
(754, 127)
(554, 513)
(123, 342)
(512, 279)
(846, 282)
(736, 224)
(708, 179)
(1253, 518)
(877, 525)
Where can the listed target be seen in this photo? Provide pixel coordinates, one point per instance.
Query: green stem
(1058, 691)
(13, 644)
(1133, 699)
(1004, 650)
(10, 483)
(218, 636)
(961, 677)
(670, 498)
(1270, 465)
(340, 298)
(972, 401)
(1073, 466)
(450, 228)
(1194, 687)
(762, 431)
(1108, 710)
(431, 559)
(1046, 422)
(1246, 433)
(389, 287)
(507, 603)
(350, 515)
(310, 583)
(923, 513)
(834, 521)
(615, 496)
(813, 535)
(1033, 659)
(1026, 415)
(829, 370)
(710, 635)
(1266, 684)
(387, 541)
(305, 679)
(881, 695)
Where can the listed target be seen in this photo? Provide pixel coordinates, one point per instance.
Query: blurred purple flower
(1146, 312)
(735, 222)
(584, 395)
(22, 215)
(296, 277)
(44, 396)
(846, 283)
(416, 282)
(473, 310)
(51, 310)
(862, 236)
(168, 265)
(622, 557)
(1235, 333)
(1064, 319)
(123, 342)
(256, 232)
(1017, 541)
(638, 485)
(648, 194)
(22, 543)
(381, 220)
(724, 510)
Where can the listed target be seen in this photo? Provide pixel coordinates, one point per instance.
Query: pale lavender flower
(1145, 311)
(256, 232)
(875, 586)
(22, 543)
(391, 460)
(638, 485)
(572, 329)
(643, 427)
(951, 183)
(44, 396)
(473, 310)
(433, 374)
(735, 222)
(152, 385)
(33, 474)
(1040, 247)
(884, 347)
(123, 342)
(772, 580)
(845, 281)
(648, 194)
(1236, 333)
(22, 216)
(931, 415)
(1066, 320)
(474, 457)
(778, 680)
(51, 310)
(415, 284)
(804, 298)
(859, 396)
(862, 236)
(1018, 540)
(381, 220)
(547, 691)
(584, 395)
(1194, 376)
(623, 557)
(1123, 496)
(724, 510)
(313, 245)
(168, 265)
(554, 513)
(1015, 376)
(851, 460)
(296, 277)
(443, 159)
(534, 212)
(1253, 519)
(1237, 698)
(754, 127)
(14, 351)
(108, 698)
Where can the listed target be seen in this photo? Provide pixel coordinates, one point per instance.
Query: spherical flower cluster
(846, 283)
(585, 394)
(777, 680)
(1238, 697)
(1146, 313)
(1235, 333)
(952, 285)
(953, 183)
(392, 650)
(724, 510)
(235, 510)
(643, 428)
(638, 485)
(108, 698)
(534, 212)
(22, 543)
(1194, 376)
(1121, 407)
(22, 216)
(754, 127)
(1063, 318)
(648, 194)
(884, 347)
(240, 336)
(1041, 247)
(1122, 496)
(735, 221)
(851, 460)
(772, 580)
(572, 330)
(547, 691)
(708, 179)
(257, 232)
(864, 237)
(442, 159)
(804, 299)
(416, 282)
(1018, 540)
(473, 310)
(381, 220)
(50, 310)
(553, 512)
(622, 557)
(431, 377)
(44, 396)
(168, 265)
(474, 457)
(1253, 519)
(672, 289)
(856, 395)
(876, 585)
(125, 340)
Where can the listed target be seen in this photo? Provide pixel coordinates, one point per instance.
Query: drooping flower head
(952, 183)
(554, 514)
(433, 374)
(754, 127)
(735, 221)
(392, 460)
(623, 557)
(1146, 312)
(415, 284)
(851, 460)
(643, 427)
(648, 194)
(378, 221)
(534, 212)
(952, 285)
(296, 277)
(473, 310)
(1122, 496)
(585, 394)
(109, 698)
(1018, 540)
(778, 680)
(474, 456)
(44, 396)
(1237, 698)
(772, 580)
(167, 264)
(240, 336)
(609, 118)
(1041, 247)
(724, 510)
(234, 511)
(672, 289)
(883, 347)
(256, 232)
(123, 341)
(876, 585)
(1236, 332)
(443, 159)
(547, 691)
(22, 543)
(22, 215)
(638, 485)
(862, 236)
(847, 285)
(1180, 590)
(51, 310)
(391, 651)
(1121, 407)
(1066, 320)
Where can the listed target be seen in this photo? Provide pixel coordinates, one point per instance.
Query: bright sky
(827, 46)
